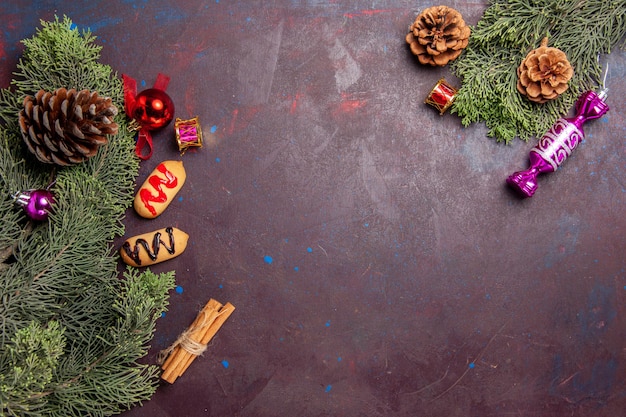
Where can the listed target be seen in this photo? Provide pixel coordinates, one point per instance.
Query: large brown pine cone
(438, 35)
(66, 127)
(544, 73)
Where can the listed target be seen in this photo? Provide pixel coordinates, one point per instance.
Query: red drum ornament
(188, 133)
(442, 96)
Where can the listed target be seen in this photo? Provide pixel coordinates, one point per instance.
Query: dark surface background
(378, 263)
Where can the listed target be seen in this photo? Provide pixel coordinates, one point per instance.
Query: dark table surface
(378, 263)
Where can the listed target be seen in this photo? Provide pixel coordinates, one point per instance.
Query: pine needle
(72, 331)
(508, 30)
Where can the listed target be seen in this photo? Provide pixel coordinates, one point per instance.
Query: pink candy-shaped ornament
(557, 144)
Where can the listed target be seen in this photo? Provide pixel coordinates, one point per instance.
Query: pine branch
(72, 330)
(508, 30)
(56, 58)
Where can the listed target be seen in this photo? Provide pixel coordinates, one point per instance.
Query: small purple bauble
(37, 204)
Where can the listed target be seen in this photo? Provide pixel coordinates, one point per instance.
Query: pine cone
(544, 73)
(438, 35)
(66, 127)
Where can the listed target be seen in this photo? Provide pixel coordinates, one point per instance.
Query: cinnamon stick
(190, 348)
(193, 341)
(221, 318)
(194, 332)
(175, 347)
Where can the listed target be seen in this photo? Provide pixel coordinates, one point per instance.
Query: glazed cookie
(154, 247)
(159, 189)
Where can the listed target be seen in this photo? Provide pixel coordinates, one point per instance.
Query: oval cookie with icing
(159, 189)
(154, 247)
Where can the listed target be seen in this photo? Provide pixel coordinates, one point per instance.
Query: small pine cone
(544, 73)
(66, 127)
(438, 35)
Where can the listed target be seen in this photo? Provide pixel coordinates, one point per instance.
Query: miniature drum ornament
(188, 134)
(442, 96)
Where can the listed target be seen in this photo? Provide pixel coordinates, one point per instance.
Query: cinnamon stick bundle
(193, 341)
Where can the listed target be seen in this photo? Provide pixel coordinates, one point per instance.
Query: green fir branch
(72, 331)
(64, 58)
(508, 30)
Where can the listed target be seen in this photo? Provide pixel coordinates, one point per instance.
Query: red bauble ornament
(153, 109)
(150, 110)
(37, 204)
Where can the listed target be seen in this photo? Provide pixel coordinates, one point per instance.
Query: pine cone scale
(46, 121)
(66, 127)
(64, 148)
(49, 144)
(41, 153)
(78, 112)
(37, 139)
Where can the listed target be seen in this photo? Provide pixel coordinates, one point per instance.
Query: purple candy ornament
(558, 142)
(37, 204)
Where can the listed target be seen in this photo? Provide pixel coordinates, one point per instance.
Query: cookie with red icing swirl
(159, 189)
